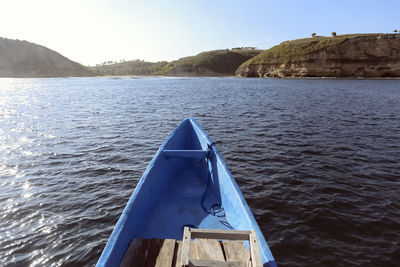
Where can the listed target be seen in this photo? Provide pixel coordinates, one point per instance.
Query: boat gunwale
(265, 250)
(110, 251)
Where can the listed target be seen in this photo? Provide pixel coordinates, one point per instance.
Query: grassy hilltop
(134, 67)
(25, 59)
(295, 49)
(217, 62)
(350, 55)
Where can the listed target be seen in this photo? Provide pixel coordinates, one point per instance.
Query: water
(317, 160)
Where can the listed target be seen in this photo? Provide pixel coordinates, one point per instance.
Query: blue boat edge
(114, 251)
(111, 252)
(264, 248)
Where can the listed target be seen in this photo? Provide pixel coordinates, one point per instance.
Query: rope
(216, 208)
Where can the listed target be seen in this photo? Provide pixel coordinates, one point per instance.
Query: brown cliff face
(25, 59)
(369, 55)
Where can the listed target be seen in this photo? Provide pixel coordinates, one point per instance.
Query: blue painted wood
(186, 189)
(195, 154)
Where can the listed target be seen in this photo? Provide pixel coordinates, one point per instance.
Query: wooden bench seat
(199, 248)
(167, 252)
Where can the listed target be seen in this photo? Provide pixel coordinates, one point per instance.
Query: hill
(134, 67)
(25, 59)
(210, 63)
(352, 55)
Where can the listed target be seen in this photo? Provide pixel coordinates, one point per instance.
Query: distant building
(244, 48)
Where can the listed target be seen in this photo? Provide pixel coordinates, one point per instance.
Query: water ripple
(317, 161)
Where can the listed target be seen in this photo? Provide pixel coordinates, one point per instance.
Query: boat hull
(187, 183)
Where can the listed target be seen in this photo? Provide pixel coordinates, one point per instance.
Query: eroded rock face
(374, 55)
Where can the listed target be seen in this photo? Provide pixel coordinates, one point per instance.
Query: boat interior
(186, 185)
(181, 188)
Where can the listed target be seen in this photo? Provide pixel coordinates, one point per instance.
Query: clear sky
(94, 31)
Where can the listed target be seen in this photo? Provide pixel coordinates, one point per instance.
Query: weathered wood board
(202, 253)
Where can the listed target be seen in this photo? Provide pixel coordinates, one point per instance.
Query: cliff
(25, 59)
(356, 55)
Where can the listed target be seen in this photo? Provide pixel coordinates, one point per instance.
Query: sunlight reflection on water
(72, 150)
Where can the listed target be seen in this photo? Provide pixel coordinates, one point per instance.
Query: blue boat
(187, 184)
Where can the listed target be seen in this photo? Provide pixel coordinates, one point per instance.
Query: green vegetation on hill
(134, 67)
(350, 55)
(25, 59)
(217, 62)
(295, 49)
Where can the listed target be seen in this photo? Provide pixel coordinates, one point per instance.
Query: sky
(94, 31)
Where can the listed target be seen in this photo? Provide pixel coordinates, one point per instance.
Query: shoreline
(208, 76)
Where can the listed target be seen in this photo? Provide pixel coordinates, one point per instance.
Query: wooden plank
(193, 250)
(220, 234)
(255, 250)
(177, 254)
(166, 253)
(136, 254)
(208, 249)
(235, 251)
(149, 253)
(185, 246)
(161, 252)
(210, 263)
(154, 250)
